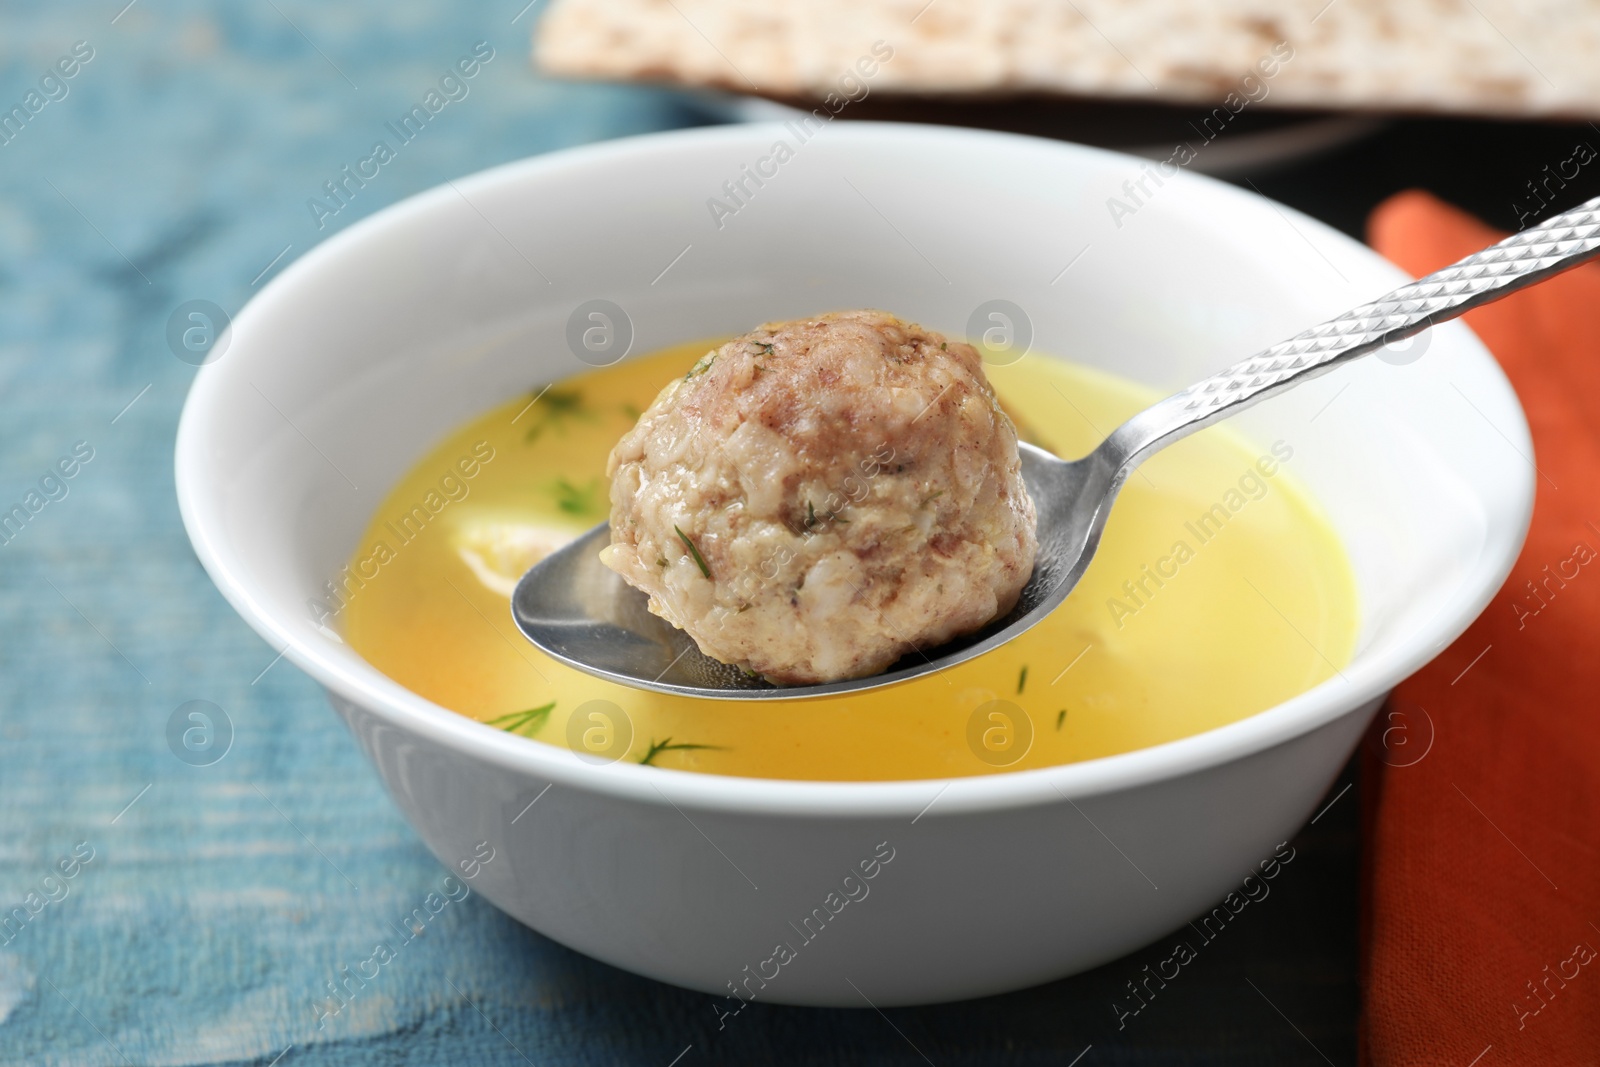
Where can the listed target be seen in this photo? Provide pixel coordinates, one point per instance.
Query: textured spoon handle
(1524, 259)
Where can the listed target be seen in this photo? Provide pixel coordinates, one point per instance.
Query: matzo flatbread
(1532, 57)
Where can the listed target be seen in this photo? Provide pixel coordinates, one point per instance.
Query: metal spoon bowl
(578, 611)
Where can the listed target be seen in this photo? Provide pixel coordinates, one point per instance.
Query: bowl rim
(1355, 687)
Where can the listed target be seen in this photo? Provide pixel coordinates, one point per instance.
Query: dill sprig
(702, 365)
(666, 745)
(811, 519)
(573, 500)
(555, 408)
(700, 561)
(524, 723)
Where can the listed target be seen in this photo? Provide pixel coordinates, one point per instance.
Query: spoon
(580, 612)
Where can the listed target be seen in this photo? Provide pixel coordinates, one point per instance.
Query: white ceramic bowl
(353, 361)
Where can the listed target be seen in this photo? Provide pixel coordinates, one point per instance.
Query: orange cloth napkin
(1481, 880)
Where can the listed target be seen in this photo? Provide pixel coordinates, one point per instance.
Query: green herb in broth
(554, 409)
(666, 745)
(574, 500)
(524, 723)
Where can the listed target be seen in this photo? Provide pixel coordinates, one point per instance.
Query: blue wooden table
(167, 910)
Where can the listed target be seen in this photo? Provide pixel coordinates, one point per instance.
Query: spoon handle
(1523, 259)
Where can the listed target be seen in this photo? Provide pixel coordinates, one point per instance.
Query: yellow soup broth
(1219, 590)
